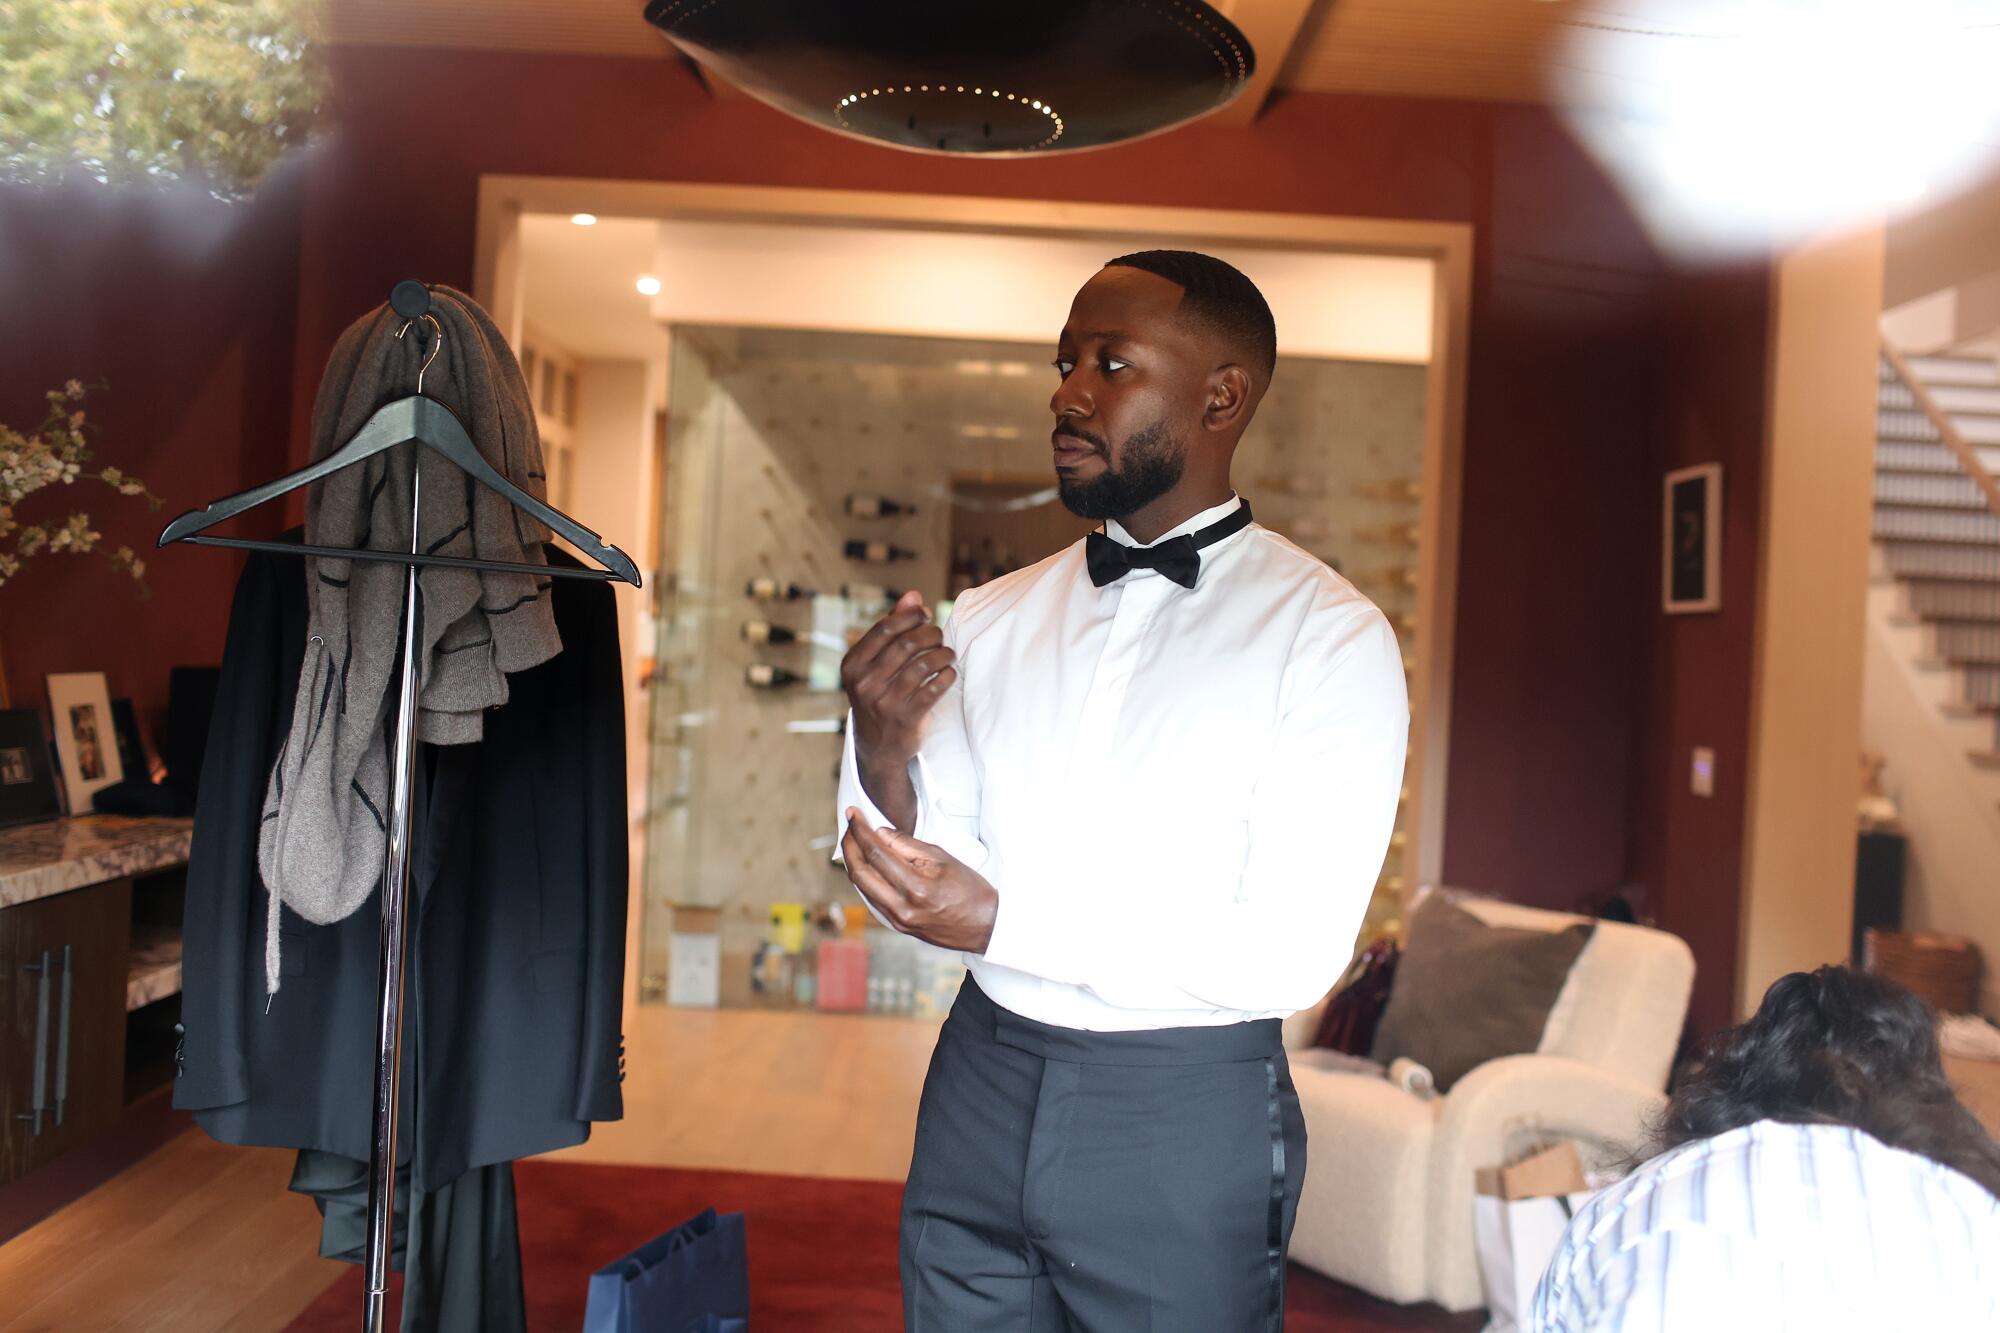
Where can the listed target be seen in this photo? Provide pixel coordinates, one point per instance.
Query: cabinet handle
(41, 1084)
(62, 1041)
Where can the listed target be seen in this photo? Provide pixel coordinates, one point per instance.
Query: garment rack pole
(395, 924)
(412, 301)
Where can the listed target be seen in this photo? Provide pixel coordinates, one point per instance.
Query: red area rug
(822, 1252)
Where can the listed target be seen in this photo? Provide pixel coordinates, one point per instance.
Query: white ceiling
(577, 285)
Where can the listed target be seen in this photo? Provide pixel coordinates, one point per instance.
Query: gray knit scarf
(326, 811)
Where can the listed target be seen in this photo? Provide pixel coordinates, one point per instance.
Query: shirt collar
(1116, 531)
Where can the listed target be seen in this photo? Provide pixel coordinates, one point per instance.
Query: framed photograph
(131, 749)
(1691, 540)
(86, 739)
(27, 781)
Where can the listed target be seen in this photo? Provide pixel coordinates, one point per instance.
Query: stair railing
(1968, 457)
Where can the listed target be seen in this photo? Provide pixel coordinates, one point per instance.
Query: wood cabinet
(63, 963)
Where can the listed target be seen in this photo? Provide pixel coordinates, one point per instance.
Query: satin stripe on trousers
(1109, 1182)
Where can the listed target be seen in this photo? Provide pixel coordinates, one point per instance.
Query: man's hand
(894, 676)
(923, 890)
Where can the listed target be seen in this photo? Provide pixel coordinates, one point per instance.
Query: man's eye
(1063, 368)
(1113, 363)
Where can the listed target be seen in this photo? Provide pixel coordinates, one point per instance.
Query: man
(1145, 786)
(1816, 1172)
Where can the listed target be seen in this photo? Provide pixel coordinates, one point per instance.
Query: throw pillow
(1467, 992)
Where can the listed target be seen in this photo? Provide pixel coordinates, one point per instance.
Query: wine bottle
(869, 594)
(761, 632)
(764, 676)
(877, 553)
(877, 506)
(1303, 487)
(1397, 488)
(770, 590)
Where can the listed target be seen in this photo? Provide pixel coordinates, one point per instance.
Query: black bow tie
(1179, 558)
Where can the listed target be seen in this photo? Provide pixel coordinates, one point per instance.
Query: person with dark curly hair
(1814, 1170)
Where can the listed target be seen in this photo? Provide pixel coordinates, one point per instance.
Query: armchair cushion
(1467, 992)
(1365, 1211)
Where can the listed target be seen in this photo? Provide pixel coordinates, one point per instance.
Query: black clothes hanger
(427, 422)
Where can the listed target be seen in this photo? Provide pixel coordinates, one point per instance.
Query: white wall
(1805, 722)
(610, 490)
(987, 285)
(1951, 810)
(1926, 324)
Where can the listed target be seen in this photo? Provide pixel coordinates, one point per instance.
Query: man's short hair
(1219, 298)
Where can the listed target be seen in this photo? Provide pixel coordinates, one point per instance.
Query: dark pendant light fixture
(1002, 78)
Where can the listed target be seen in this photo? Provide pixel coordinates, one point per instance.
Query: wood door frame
(503, 200)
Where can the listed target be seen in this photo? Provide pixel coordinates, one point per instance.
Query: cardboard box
(694, 958)
(1519, 1214)
(843, 976)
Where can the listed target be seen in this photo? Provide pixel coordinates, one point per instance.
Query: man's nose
(1070, 399)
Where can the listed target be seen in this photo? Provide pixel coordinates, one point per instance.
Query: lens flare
(1737, 125)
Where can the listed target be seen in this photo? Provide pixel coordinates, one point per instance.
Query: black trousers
(459, 1250)
(1111, 1182)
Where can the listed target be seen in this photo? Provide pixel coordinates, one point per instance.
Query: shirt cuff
(1035, 936)
(852, 794)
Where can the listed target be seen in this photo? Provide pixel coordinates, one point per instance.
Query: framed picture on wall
(86, 738)
(1691, 540)
(27, 782)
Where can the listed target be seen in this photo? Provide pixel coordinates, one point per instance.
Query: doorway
(829, 351)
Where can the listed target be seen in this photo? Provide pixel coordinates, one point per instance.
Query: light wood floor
(200, 1236)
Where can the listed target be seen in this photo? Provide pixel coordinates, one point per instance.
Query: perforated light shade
(990, 77)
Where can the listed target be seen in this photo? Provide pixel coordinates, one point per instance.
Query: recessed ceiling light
(648, 285)
(1011, 369)
(975, 367)
(584, 219)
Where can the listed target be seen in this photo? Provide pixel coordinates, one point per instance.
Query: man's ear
(1230, 390)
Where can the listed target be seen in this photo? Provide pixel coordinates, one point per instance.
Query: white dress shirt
(1181, 795)
(1777, 1227)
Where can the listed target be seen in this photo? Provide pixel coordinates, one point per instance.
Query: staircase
(1936, 532)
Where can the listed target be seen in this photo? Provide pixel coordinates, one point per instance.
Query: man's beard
(1150, 465)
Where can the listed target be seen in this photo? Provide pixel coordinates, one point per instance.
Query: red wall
(1688, 849)
(1565, 391)
(182, 307)
(1591, 366)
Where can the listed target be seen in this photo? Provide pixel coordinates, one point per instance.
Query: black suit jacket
(513, 999)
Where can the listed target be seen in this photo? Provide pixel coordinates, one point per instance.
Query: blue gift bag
(694, 1279)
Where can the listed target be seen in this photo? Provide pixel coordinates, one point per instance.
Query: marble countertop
(153, 968)
(38, 860)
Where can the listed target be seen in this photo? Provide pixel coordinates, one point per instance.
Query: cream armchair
(1388, 1189)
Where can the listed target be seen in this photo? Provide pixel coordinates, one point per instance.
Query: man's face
(1132, 394)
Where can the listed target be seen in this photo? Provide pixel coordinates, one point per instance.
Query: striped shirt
(1779, 1227)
